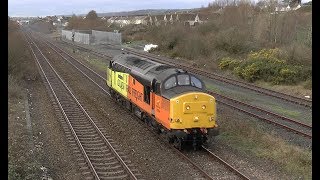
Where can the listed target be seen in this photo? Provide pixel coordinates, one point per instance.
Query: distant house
(23, 22)
(65, 24)
(190, 19)
(197, 19)
(281, 8)
(185, 18)
(126, 20)
(140, 20)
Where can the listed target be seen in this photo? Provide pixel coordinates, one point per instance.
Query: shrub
(228, 63)
(268, 55)
(285, 75)
(251, 72)
(268, 65)
(233, 41)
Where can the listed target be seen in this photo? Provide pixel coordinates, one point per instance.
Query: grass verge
(249, 138)
(22, 162)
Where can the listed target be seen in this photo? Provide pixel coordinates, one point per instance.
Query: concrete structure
(101, 37)
(83, 38)
(93, 37)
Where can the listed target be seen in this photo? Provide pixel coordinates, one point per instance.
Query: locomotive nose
(194, 109)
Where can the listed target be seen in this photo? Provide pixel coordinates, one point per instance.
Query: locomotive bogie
(172, 102)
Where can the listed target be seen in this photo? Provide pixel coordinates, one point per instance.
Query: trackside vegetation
(270, 65)
(21, 161)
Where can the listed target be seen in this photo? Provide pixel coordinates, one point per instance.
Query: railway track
(289, 124)
(214, 76)
(225, 170)
(211, 165)
(98, 155)
(279, 95)
(286, 97)
(292, 125)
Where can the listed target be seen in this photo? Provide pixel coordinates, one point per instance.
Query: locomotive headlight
(204, 107)
(187, 107)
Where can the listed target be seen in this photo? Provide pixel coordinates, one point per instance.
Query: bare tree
(92, 15)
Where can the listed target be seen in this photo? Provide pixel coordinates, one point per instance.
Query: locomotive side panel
(162, 111)
(137, 96)
(109, 77)
(119, 82)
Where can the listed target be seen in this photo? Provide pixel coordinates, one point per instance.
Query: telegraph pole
(73, 40)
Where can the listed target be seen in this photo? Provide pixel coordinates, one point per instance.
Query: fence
(78, 37)
(93, 37)
(100, 37)
(66, 34)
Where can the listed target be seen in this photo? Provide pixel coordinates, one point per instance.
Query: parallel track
(211, 75)
(89, 73)
(98, 156)
(289, 124)
(279, 95)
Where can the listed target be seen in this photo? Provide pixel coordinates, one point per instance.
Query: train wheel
(177, 143)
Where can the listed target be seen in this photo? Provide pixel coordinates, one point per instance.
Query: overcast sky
(67, 7)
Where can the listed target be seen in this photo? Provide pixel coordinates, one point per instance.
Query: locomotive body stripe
(119, 82)
(162, 111)
(190, 110)
(136, 93)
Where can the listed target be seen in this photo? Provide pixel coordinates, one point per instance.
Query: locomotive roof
(144, 69)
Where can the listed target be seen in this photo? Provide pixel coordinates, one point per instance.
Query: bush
(268, 65)
(228, 63)
(286, 75)
(233, 41)
(193, 48)
(251, 72)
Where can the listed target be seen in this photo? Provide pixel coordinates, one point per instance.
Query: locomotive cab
(170, 99)
(190, 106)
(192, 112)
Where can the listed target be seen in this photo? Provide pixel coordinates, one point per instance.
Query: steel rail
(255, 115)
(280, 95)
(206, 175)
(268, 120)
(276, 94)
(66, 118)
(230, 167)
(131, 174)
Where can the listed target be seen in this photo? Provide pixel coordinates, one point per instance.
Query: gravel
(153, 158)
(145, 149)
(57, 157)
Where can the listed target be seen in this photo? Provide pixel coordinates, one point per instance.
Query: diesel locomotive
(170, 100)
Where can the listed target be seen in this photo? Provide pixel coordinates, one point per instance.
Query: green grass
(240, 97)
(212, 87)
(247, 137)
(286, 112)
(135, 44)
(98, 63)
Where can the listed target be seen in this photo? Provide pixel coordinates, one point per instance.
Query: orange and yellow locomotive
(170, 100)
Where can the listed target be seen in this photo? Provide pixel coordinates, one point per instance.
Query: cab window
(183, 79)
(171, 82)
(196, 82)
